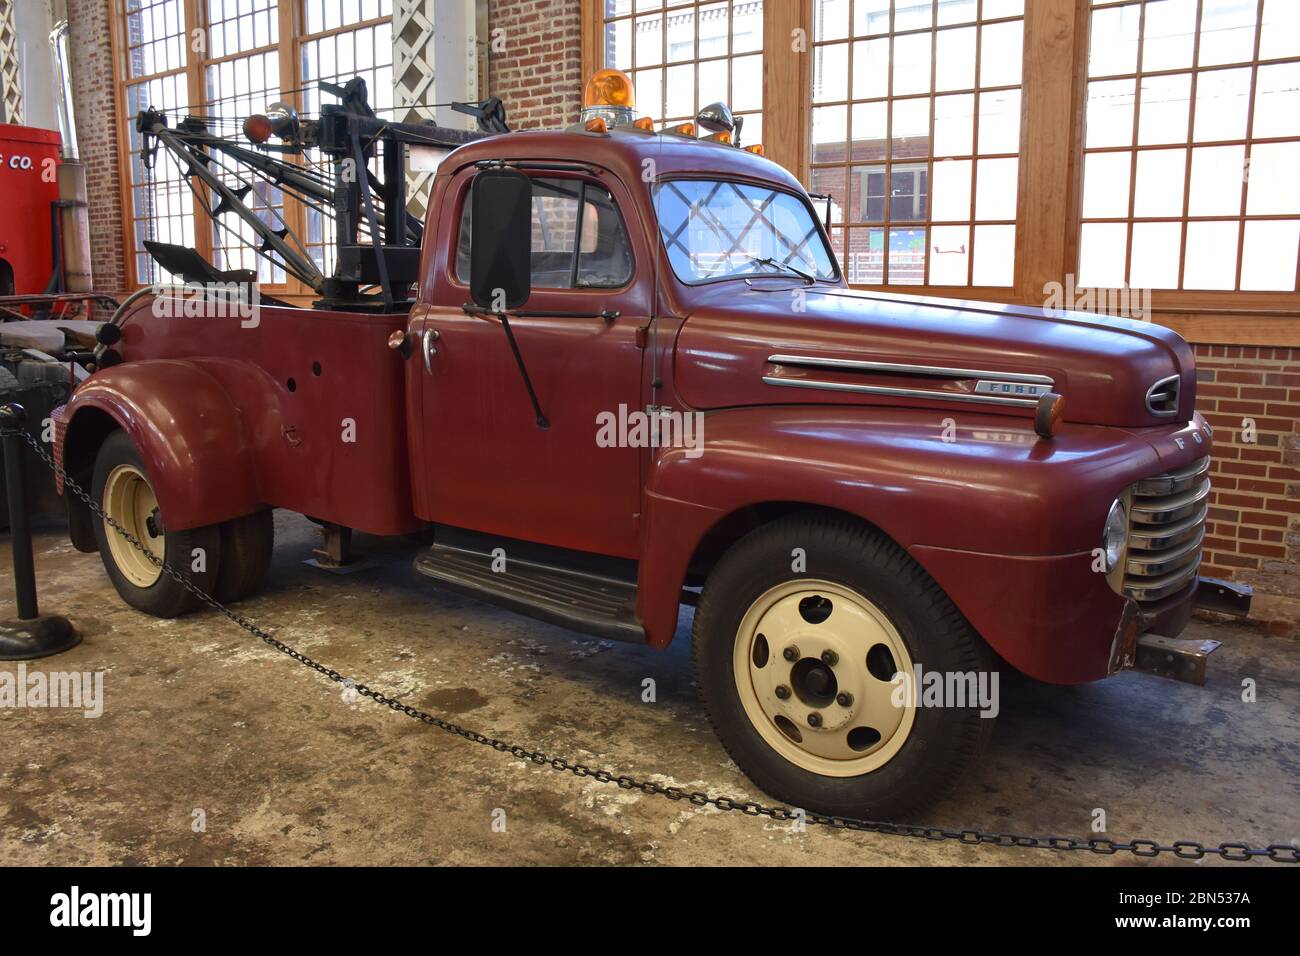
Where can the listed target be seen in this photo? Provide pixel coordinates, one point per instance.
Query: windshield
(716, 230)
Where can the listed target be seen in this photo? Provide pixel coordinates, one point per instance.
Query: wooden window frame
(1049, 191)
(291, 37)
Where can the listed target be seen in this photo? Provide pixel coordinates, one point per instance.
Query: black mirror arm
(542, 421)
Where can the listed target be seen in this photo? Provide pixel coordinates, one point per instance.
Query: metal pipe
(12, 422)
(74, 210)
(63, 82)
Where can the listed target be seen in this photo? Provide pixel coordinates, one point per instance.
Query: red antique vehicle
(877, 483)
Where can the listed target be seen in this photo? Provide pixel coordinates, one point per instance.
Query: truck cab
(633, 379)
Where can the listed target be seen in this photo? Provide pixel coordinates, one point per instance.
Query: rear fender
(184, 425)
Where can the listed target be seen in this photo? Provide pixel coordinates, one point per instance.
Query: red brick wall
(97, 115)
(1254, 532)
(537, 71)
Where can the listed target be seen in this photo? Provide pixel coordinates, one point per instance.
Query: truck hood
(777, 343)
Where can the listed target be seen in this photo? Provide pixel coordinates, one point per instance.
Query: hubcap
(814, 664)
(130, 502)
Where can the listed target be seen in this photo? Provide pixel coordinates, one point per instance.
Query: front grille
(1166, 528)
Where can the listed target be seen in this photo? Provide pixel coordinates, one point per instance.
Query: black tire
(246, 545)
(943, 742)
(165, 597)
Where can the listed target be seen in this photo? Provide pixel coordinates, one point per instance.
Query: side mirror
(501, 239)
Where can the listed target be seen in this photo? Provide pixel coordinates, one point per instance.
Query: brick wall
(1254, 532)
(97, 115)
(538, 71)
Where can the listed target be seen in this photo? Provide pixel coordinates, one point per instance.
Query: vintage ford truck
(876, 482)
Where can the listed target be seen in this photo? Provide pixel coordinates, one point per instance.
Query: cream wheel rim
(130, 501)
(814, 664)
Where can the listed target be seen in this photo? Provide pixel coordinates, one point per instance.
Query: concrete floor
(201, 716)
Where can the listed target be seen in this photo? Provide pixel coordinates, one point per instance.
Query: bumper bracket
(1223, 597)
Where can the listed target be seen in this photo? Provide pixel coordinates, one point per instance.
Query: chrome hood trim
(991, 387)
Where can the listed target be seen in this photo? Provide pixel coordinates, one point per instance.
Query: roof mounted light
(609, 95)
(596, 124)
(756, 149)
(717, 118)
(723, 137)
(682, 129)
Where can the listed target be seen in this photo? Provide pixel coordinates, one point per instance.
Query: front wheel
(121, 486)
(797, 666)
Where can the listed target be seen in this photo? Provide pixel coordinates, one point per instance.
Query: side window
(590, 252)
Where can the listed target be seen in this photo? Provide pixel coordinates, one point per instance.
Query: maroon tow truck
(622, 372)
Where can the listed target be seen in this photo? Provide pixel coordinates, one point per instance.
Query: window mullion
(195, 64)
(291, 93)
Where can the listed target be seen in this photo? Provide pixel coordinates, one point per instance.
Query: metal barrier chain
(1183, 849)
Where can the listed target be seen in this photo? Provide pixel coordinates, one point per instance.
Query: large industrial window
(242, 77)
(160, 207)
(916, 137)
(225, 59)
(1192, 146)
(342, 40)
(688, 56)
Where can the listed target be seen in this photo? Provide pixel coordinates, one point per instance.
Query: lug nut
(844, 700)
(791, 653)
(783, 692)
(814, 719)
(830, 658)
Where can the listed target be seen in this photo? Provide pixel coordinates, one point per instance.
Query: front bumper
(1148, 639)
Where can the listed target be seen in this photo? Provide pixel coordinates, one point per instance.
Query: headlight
(1116, 535)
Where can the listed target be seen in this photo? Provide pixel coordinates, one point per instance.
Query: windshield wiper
(782, 267)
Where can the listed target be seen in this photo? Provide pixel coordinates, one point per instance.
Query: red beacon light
(257, 128)
(280, 120)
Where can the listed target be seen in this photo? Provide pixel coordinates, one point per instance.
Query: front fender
(982, 486)
(187, 430)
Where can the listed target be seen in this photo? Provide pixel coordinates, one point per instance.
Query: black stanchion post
(32, 635)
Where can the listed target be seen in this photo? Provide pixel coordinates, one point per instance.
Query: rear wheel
(121, 486)
(797, 669)
(246, 545)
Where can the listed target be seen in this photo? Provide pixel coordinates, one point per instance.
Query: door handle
(430, 350)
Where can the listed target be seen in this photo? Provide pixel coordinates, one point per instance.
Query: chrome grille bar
(1173, 482)
(1167, 516)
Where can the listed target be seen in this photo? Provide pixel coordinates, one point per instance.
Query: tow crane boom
(377, 240)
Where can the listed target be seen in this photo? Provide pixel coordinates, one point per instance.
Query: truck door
(481, 461)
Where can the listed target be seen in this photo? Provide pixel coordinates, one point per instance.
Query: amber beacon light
(609, 96)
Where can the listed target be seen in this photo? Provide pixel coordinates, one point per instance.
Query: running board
(546, 588)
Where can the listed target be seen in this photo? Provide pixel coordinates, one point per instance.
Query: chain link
(1184, 849)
